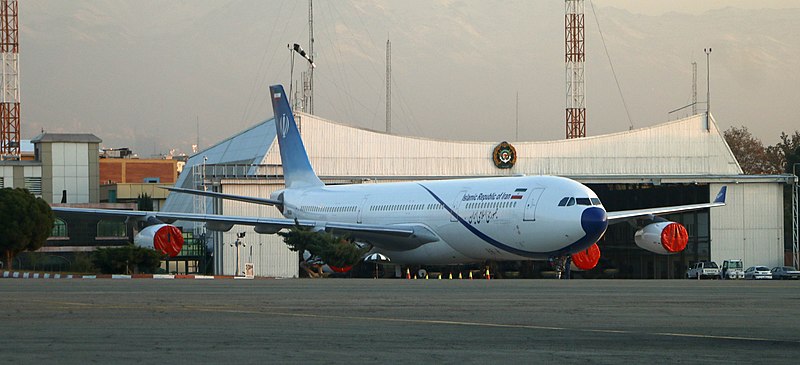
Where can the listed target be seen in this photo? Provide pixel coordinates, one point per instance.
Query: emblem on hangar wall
(504, 155)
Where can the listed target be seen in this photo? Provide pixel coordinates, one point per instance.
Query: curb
(36, 275)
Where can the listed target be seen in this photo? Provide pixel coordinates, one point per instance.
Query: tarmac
(315, 321)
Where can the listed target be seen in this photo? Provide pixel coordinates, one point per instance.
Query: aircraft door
(457, 205)
(531, 203)
(361, 209)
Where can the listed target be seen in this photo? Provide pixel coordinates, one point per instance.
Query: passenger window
(563, 202)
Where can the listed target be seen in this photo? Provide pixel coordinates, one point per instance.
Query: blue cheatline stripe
(588, 223)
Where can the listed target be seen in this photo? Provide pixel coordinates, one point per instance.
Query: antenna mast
(388, 86)
(575, 58)
(694, 88)
(310, 101)
(9, 101)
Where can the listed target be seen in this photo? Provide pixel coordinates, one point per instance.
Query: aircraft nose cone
(594, 222)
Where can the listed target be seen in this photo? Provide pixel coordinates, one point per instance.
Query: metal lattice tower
(795, 239)
(9, 104)
(575, 57)
(198, 201)
(388, 86)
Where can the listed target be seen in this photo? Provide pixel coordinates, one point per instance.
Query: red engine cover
(674, 237)
(588, 258)
(169, 240)
(340, 269)
(663, 238)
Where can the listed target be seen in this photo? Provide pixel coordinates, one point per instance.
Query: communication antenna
(575, 57)
(9, 100)
(310, 101)
(694, 88)
(388, 86)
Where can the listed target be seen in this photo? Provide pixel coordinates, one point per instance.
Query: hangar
(678, 162)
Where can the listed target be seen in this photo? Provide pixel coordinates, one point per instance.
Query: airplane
(444, 222)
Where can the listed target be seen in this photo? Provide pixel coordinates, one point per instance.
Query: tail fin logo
(283, 125)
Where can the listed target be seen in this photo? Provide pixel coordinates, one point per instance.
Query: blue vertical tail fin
(297, 170)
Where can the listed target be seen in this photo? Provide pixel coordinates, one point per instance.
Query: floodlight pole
(291, 77)
(238, 243)
(708, 80)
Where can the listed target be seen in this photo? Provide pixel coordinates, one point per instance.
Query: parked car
(785, 272)
(703, 269)
(732, 269)
(757, 272)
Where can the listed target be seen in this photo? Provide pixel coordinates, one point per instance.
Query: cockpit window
(570, 201)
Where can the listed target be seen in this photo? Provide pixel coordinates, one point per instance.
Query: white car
(757, 272)
(703, 269)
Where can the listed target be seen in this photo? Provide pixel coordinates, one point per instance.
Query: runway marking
(414, 321)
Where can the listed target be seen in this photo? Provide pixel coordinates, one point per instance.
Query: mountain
(146, 74)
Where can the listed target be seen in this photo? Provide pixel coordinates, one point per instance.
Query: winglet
(721, 195)
(297, 170)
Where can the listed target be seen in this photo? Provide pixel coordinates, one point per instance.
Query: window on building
(34, 185)
(59, 228)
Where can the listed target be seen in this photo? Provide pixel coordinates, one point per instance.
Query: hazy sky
(149, 74)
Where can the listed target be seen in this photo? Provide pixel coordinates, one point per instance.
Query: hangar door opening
(621, 258)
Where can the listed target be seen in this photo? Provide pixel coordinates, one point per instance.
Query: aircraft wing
(622, 215)
(391, 237)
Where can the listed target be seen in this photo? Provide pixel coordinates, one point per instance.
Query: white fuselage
(505, 218)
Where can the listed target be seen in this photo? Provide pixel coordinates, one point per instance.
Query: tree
(333, 250)
(750, 152)
(789, 150)
(144, 202)
(126, 259)
(26, 220)
(787, 153)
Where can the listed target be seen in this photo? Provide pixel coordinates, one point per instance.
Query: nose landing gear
(562, 264)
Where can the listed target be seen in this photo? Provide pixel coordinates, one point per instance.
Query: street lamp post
(238, 243)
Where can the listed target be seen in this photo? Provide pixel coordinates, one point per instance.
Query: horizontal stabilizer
(212, 194)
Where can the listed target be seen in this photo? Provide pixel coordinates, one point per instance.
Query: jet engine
(588, 258)
(662, 237)
(162, 237)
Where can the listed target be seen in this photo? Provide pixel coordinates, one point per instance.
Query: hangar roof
(689, 146)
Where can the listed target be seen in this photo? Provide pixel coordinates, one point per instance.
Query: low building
(125, 180)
